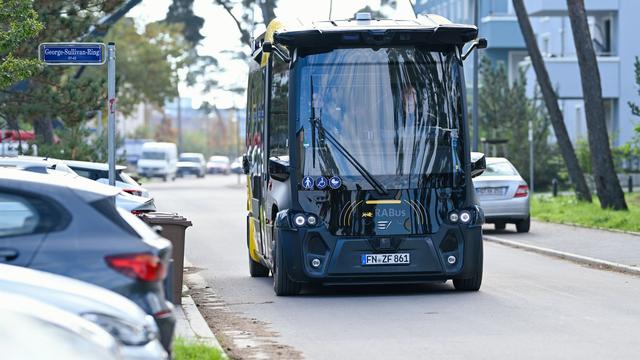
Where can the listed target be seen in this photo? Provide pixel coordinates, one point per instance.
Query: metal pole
(179, 124)
(100, 130)
(476, 135)
(531, 159)
(111, 103)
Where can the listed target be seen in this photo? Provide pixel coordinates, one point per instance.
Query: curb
(196, 327)
(585, 260)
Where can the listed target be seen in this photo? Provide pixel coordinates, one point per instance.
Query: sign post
(85, 53)
(111, 116)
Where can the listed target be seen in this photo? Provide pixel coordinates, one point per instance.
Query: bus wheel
(473, 283)
(256, 269)
(282, 285)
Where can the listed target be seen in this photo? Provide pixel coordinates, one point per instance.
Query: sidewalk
(619, 251)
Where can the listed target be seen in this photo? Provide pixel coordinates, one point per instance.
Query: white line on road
(565, 255)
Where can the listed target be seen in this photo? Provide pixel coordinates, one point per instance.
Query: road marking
(565, 255)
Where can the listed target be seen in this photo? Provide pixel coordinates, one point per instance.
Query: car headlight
(124, 331)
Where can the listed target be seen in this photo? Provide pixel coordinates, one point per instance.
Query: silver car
(136, 331)
(503, 195)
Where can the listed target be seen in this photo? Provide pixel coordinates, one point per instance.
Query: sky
(222, 35)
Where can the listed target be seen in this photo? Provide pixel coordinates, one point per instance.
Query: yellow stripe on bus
(372, 202)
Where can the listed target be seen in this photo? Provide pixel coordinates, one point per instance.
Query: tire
(256, 269)
(500, 225)
(473, 283)
(523, 226)
(282, 285)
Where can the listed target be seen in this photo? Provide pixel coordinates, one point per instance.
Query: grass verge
(567, 210)
(193, 350)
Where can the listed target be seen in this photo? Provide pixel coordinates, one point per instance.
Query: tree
(607, 184)
(18, 24)
(506, 112)
(243, 14)
(551, 101)
(181, 12)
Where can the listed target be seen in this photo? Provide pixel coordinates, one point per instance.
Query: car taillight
(523, 191)
(133, 192)
(145, 267)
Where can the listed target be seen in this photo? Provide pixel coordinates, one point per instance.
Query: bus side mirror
(268, 47)
(278, 169)
(246, 165)
(479, 43)
(478, 164)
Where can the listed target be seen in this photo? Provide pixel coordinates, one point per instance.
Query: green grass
(567, 210)
(192, 350)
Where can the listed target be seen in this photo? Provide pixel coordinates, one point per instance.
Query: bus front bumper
(318, 257)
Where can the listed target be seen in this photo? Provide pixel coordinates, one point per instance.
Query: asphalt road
(530, 306)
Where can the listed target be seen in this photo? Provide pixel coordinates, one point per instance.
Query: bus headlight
(312, 220)
(465, 216)
(299, 220)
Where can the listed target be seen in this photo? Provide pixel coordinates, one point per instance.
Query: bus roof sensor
(363, 16)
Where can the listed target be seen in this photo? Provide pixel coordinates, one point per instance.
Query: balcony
(565, 76)
(559, 7)
(502, 32)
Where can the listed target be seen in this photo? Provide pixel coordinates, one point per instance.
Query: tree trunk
(551, 101)
(43, 129)
(607, 183)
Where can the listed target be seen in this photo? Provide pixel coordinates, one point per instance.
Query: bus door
(255, 129)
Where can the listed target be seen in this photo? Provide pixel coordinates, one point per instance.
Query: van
(158, 159)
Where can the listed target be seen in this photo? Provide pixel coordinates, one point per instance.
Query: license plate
(492, 191)
(385, 259)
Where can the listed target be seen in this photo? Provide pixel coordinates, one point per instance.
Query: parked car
(73, 228)
(132, 203)
(503, 195)
(136, 331)
(100, 171)
(236, 166)
(30, 329)
(158, 159)
(192, 163)
(218, 165)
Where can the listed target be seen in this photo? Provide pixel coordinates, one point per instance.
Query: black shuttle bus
(358, 157)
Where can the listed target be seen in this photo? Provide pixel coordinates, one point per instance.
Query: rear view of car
(73, 228)
(503, 195)
(191, 164)
(218, 165)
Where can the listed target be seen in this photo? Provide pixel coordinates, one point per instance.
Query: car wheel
(473, 283)
(500, 225)
(523, 226)
(282, 285)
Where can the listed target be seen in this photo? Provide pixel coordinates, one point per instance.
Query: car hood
(131, 202)
(69, 294)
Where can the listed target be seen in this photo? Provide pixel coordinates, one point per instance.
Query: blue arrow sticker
(321, 182)
(335, 182)
(307, 182)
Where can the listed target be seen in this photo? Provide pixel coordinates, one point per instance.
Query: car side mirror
(479, 43)
(278, 169)
(246, 165)
(478, 164)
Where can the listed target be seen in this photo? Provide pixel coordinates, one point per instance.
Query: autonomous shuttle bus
(358, 161)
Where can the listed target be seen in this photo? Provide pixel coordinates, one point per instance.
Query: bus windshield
(395, 111)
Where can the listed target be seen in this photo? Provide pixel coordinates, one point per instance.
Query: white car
(158, 159)
(503, 195)
(31, 329)
(218, 165)
(136, 331)
(100, 172)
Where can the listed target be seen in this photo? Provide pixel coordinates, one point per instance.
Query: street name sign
(72, 53)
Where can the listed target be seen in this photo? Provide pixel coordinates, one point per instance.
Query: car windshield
(154, 155)
(396, 111)
(500, 168)
(190, 159)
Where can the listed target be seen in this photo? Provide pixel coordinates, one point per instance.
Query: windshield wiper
(317, 124)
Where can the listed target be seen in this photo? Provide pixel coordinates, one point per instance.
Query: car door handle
(8, 254)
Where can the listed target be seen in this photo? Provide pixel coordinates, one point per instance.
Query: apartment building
(613, 31)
